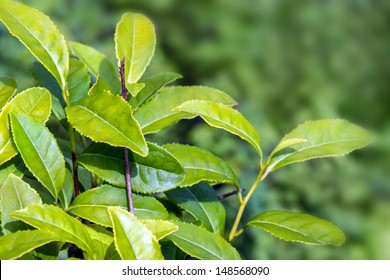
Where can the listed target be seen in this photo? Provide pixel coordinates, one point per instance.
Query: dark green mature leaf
(224, 117)
(158, 171)
(97, 64)
(8, 87)
(78, 81)
(157, 114)
(54, 219)
(135, 41)
(202, 202)
(45, 79)
(40, 35)
(133, 240)
(39, 151)
(152, 85)
(35, 102)
(16, 195)
(108, 118)
(67, 190)
(17, 244)
(14, 166)
(202, 244)
(201, 165)
(298, 227)
(324, 138)
(93, 205)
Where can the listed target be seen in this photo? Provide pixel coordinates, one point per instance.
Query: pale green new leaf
(158, 113)
(157, 172)
(8, 87)
(35, 102)
(39, 151)
(93, 205)
(54, 219)
(135, 41)
(99, 86)
(17, 244)
(202, 244)
(16, 195)
(201, 165)
(324, 138)
(40, 35)
(202, 202)
(97, 64)
(297, 227)
(133, 240)
(224, 117)
(107, 118)
(160, 228)
(100, 241)
(78, 81)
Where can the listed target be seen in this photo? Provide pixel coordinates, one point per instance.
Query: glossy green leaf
(35, 102)
(325, 138)
(16, 195)
(100, 242)
(112, 253)
(202, 244)
(135, 41)
(17, 244)
(66, 193)
(8, 87)
(201, 165)
(287, 143)
(78, 81)
(297, 227)
(54, 219)
(202, 202)
(93, 205)
(97, 64)
(39, 151)
(158, 113)
(45, 79)
(133, 240)
(107, 118)
(14, 166)
(152, 85)
(160, 228)
(158, 171)
(99, 86)
(224, 117)
(40, 35)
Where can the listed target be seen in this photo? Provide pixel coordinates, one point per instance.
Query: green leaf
(17, 244)
(112, 253)
(16, 195)
(39, 151)
(97, 64)
(135, 41)
(152, 85)
(45, 79)
(93, 205)
(158, 113)
(202, 244)
(325, 138)
(8, 87)
(133, 240)
(14, 166)
(78, 81)
(107, 118)
(202, 202)
(40, 35)
(98, 86)
(297, 227)
(158, 171)
(100, 241)
(160, 228)
(35, 102)
(222, 116)
(54, 219)
(67, 190)
(201, 165)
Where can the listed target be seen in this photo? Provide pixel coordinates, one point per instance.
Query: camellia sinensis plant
(142, 200)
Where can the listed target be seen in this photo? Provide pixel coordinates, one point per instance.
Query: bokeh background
(285, 62)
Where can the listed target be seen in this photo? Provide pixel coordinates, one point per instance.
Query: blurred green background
(285, 62)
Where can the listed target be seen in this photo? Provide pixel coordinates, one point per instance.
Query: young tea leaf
(160, 228)
(8, 87)
(297, 227)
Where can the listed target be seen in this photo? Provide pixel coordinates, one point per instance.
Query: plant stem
(129, 190)
(75, 164)
(225, 195)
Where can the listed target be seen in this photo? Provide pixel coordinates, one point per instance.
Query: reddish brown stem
(223, 196)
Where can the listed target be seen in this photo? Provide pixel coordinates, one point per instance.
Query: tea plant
(142, 201)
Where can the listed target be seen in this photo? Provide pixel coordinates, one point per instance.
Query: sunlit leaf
(8, 87)
(67, 190)
(160, 228)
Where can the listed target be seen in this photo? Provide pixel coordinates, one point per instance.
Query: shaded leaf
(14, 166)
(100, 242)
(160, 228)
(67, 190)
(158, 113)
(112, 253)
(108, 118)
(78, 81)
(45, 79)
(40, 35)
(39, 151)
(133, 240)
(202, 244)
(8, 87)
(17, 244)
(298, 227)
